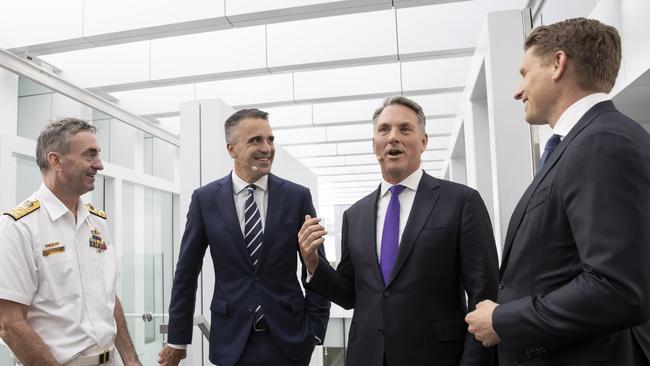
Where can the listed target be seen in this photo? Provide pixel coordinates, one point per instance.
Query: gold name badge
(51, 251)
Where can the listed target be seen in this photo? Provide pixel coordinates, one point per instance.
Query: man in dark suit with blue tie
(249, 219)
(575, 275)
(417, 254)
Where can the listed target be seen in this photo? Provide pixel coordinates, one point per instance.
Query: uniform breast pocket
(58, 278)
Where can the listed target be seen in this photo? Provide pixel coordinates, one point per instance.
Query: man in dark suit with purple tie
(575, 275)
(411, 252)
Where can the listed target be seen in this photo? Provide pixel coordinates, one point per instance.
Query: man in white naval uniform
(58, 266)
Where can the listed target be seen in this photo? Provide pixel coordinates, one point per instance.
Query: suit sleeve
(190, 261)
(479, 268)
(604, 188)
(317, 306)
(336, 285)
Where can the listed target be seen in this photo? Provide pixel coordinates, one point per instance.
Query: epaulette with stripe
(23, 209)
(96, 211)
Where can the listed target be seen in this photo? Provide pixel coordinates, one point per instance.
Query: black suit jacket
(447, 249)
(576, 268)
(293, 319)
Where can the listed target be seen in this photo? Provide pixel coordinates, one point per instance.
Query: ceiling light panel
(300, 136)
(323, 162)
(234, 51)
(290, 116)
(439, 22)
(363, 147)
(350, 81)
(438, 104)
(311, 150)
(329, 39)
(126, 14)
(435, 74)
(361, 159)
(349, 132)
(343, 112)
(122, 63)
(234, 7)
(159, 100)
(248, 91)
(18, 20)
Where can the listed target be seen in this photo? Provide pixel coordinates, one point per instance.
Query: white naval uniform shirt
(48, 264)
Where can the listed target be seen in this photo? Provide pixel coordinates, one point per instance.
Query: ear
(231, 151)
(54, 160)
(425, 142)
(559, 61)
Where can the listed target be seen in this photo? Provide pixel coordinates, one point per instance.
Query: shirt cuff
(177, 346)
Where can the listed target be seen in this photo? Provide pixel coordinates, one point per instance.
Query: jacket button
(386, 293)
(250, 309)
(257, 278)
(381, 330)
(501, 285)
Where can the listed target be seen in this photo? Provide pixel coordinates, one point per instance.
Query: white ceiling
(319, 67)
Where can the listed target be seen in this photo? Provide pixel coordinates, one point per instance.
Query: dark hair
(233, 121)
(594, 47)
(56, 138)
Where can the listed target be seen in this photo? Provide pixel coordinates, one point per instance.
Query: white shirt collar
(239, 184)
(411, 182)
(56, 208)
(572, 115)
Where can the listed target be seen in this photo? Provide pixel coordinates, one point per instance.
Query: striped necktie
(253, 235)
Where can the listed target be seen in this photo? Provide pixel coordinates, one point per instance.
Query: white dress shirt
(240, 193)
(65, 272)
(406, 199)
(572, 115)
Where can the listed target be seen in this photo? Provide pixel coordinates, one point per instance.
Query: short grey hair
(56, 138)
(406, 102)
(233, 121)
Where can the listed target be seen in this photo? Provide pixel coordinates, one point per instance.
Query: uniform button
(380, 330)
(257, 278)
(501, 285)
(386, 293)
(250, 309)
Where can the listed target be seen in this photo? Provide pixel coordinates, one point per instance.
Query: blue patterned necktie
(390, 233)
(551, 145)
(253, 235)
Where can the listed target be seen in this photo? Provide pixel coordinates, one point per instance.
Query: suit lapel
(425, 199)
(520, 209)
(369, 226)
(277, 197)
(225, 203)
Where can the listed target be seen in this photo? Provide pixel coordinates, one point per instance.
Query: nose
(393, 135)
(266, 146)
(97, 164)
(519, 94)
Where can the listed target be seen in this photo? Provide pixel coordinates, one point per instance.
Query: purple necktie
(390, 235)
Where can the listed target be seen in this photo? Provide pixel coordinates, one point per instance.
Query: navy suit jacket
(417, 318)
(293, 318)
(576, 266)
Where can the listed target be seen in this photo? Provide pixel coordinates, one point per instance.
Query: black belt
(260, 326)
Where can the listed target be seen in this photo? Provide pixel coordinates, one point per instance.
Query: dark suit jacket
(576, 268)
(293, 319)
(447, 249)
